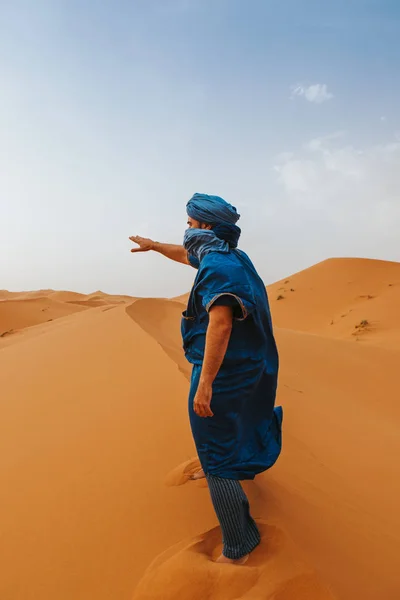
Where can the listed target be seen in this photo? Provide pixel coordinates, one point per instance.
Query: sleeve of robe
(224, 281)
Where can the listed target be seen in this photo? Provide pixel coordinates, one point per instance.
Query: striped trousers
(240, 534)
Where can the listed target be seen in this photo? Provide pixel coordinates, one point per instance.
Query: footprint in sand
(184, 473)
(274, 571)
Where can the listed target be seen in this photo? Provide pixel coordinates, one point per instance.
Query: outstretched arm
(172, 251)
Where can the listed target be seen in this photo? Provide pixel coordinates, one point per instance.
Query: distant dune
(182, 299)
(96, 450)
(18, 314)
(354, 299)
(6, 295)
(62, 296)
(19, 310)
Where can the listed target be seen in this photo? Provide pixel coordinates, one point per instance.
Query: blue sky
(112, 114)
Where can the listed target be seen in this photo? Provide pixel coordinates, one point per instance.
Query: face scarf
(222, 216)
(199, 242)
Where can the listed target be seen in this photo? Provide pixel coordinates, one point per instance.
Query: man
(228, 338)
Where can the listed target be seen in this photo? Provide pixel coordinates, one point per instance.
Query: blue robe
(243, 438)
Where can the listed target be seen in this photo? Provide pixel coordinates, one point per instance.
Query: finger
(207, 411)
(199, 409)
(203, 412)
(138, 250)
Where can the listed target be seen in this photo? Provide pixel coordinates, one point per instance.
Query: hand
(144, 244)
(202, 401)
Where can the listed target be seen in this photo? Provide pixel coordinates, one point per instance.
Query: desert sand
(96, 451)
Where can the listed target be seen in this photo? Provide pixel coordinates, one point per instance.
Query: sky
(113, 113)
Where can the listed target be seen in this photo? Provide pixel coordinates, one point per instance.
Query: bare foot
(198, 475)
(231, 561)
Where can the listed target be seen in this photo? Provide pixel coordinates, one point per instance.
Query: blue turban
(215, 211)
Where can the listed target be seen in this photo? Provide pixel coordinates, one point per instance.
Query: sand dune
(110, 298)
(161, 319)
(6, 295)
(65, 296)
(344, 298)
(90, 303)
(181, 299)
(85, 446)
(19, 310)
(95, 452)
(101, 299)
(18, 314)
(95, 299)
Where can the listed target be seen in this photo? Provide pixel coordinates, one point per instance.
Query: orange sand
(96, 451)
(18, 314)
(19, 310)
(334, 297)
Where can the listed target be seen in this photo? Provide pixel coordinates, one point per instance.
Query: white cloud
(316, 93)
(321, 142)
(354, 190)
(284, 156)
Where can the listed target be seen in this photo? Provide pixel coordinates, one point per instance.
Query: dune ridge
(20, 310)
(16, 314)
(354, 299)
